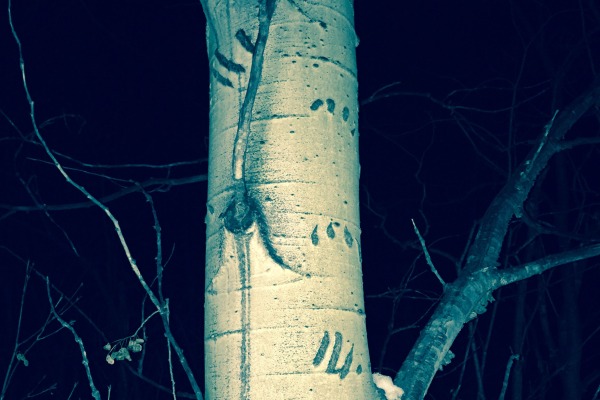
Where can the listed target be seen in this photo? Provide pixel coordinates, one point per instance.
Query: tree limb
(468, 296)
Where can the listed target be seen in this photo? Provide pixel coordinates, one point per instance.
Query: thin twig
(13, 358)
(133, 264)
(158, 182)
(84, 358)
(427, 257)
(511, 360)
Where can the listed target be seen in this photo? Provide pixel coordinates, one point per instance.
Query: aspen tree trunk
(284, 313)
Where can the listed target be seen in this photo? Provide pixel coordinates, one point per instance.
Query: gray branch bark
(468, 296)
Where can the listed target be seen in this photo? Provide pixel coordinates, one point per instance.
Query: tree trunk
(284, 313)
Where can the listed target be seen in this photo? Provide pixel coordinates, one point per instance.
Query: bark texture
(284, 313)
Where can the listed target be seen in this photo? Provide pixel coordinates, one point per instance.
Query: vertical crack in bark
(242, 246)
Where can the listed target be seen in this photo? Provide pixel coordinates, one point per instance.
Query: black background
(124, 83)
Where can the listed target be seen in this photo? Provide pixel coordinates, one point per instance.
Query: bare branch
(159, 183)
(427, 256)
(515, 274)
(468, 296)
(162, 307)
(84, 358)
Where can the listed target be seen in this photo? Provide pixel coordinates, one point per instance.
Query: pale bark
(284, 312)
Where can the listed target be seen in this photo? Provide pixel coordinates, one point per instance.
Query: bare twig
(427, 256)
(11, 367)
(84, 359)
(511, 360)
(136, 187)
(132, 262)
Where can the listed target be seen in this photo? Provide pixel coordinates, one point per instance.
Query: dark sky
(126, 82)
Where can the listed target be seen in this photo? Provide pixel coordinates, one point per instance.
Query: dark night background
(119, 84)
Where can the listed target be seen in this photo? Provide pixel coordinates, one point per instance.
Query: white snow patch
(385, 383)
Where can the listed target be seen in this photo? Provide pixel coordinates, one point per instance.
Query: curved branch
(167, 182)
(515, 274)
